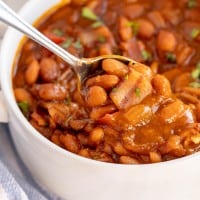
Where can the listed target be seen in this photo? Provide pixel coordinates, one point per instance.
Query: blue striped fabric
(16, 183)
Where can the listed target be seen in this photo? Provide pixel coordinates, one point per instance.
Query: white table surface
(14, 4)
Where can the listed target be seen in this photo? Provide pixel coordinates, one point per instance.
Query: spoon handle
(8, 16)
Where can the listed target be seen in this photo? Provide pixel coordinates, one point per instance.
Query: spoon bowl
(83, 67)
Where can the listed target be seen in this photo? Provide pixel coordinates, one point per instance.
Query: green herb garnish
(126, 77)
(195, 84)
(196, 72)
(57, 32)
(24, 107)
(78, 44)
(135, 27)
(171, 57)
(146, 55)
(191, 4)
(195, 33)
(102, 39)
(137, 92)
(89, 14)
(97, 24)
(68, 101)
(67, 43)
(114, 89)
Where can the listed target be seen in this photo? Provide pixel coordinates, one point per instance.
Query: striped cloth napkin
(16, 183)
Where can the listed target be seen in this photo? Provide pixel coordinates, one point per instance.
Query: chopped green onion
(114, 89)
(195, 33)
(102, 39)
(126, 77)
(171, 57)
(194, 85)
(97, 24)
(67, 43)
(58, 32)
(198, 65)
(146, 55)
(78, 44)
(68, 101)
(137, 92)
(135, 27)
(191, 4)
(196, 72)
(24, 107)
(89, 14)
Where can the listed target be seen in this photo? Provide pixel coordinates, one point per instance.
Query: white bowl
(76, 178)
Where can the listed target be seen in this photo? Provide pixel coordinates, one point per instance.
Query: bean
(172, 112)
(125, 30)
(83, 139)
(29, 58)
(173, 16)
(155, 157)
(114, 67)
(22, 95)
(85, 153)
(157, 19)
(101, 156)
(172, 74)
(107, 148)
(105, 32)
(188, 97)
(45, 131)
(96, 136)
(50, 91)
(105, 49)
(39, 119)
(119, 149)
(96, 96)
(19, 79)
(195, 139)
(89, 127)
(70, 142)
(55, 138)
(184, 54)
(128, 160)
(193, 91)
(161, 85)
(166, 41)
(133, 11)
(29, 46)
(182, 81)
(105, 81)
(49, 69)
(32, 72)
(77, 97)
(143, 69)
(77, 124)
(154, 67)
(146, 28)
(96, 113)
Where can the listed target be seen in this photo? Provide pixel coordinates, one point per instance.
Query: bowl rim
(6, 80)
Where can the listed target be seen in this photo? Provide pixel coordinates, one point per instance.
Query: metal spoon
(83, 67)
